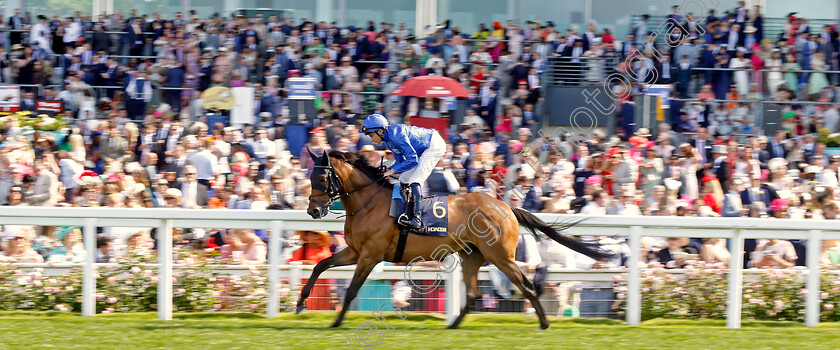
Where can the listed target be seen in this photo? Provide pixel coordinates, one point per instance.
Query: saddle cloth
(435, 213)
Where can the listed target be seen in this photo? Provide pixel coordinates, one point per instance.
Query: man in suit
(489, 102)
(664, 70)
(627, 47)
(150, 165)
(575, 64)
(776, 147)
(110, 75)
(703, 143)
(175, 78)
(101, 40)
(589, 36)
(262, 102)
(518, 72)
(15, 23)
(671, 257)
(113, 147)
(194, 194)
(732, 202)
(683, 75)
(755, 193)
(170, 140)
(28, 102)
(134, 37)
(759, 149)
(138, 92)
(707, 60)
(719, 165)
(160, 187)
(45, 190)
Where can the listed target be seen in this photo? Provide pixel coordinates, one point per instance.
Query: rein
(337, 195)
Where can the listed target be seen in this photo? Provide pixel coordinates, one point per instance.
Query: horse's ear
(327, 160)
(312, 154)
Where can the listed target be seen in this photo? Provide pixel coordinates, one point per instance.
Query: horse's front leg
(363, 268)
(346, 256)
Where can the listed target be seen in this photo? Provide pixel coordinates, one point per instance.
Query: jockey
(416, 151)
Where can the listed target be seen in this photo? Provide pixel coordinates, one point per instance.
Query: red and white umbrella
(431, 86)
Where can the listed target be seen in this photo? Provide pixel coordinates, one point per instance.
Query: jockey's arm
(402, 142)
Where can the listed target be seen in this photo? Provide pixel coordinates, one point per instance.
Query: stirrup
(413, 223)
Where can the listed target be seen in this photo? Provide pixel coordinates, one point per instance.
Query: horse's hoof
(335, 324)
(454, 326)
(543, 327)
(300, 309)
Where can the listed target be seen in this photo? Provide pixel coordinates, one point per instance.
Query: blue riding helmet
(372, 123)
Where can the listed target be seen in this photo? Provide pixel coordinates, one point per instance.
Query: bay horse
(488, 230)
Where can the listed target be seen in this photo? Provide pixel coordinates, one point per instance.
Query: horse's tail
(534, 224)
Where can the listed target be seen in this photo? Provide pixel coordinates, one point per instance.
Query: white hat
(774, 163)
(565, 167)
(524, 131)
(16, 231)
(173, 192)
(812, 169)
(138, 187)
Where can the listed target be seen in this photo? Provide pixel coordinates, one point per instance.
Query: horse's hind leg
(515, 275)
(470, 263)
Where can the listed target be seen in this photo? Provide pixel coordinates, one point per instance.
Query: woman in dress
(651, 171)
(496, 46)
(354, 101)
(774, 77)
(746, 165)
(712, 193)
(691, 158)
(791, 78)
(741, 76)
(817, 81)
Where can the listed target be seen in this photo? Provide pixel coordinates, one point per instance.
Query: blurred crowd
(139, 137)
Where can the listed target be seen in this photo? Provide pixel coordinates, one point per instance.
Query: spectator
(194, 193)
(773, 253)
(20, 245)
(104, 248)
(596, 298)
(245, 247)
(314, 249)
(46, 186)
(714, 251)
(677, 253)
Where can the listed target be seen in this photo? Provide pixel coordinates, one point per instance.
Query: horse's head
(326, 186)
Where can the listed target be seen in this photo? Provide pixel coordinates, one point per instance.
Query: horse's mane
(359, 162)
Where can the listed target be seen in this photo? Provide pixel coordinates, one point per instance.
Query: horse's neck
(360, 200)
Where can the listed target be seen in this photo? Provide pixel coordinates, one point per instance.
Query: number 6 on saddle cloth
(435, 213)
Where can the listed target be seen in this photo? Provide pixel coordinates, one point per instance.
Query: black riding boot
(416, 196)
(412, 195)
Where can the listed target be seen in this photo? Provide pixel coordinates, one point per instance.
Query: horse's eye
(323, 180)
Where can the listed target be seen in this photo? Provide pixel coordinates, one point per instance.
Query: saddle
(435, 213)
(434, 216)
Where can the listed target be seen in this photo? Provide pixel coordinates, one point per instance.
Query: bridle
(335, 190)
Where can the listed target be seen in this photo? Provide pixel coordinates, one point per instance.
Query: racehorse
(372, 234)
